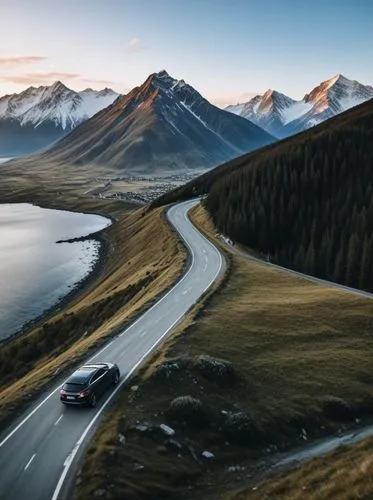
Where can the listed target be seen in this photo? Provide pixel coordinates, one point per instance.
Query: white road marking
(99, 352)
(39, 406)
(29, 462)
(71, 457)
(143, 333)
(56, 423)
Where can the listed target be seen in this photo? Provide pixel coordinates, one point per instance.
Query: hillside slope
(305, 202)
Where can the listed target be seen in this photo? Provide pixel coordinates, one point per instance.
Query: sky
(229, 50)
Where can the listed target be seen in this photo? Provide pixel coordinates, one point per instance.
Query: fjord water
(35, 271)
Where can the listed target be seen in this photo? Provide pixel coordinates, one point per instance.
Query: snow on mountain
(282, 116)
(161, 126)
(236, 108)
(266, 110)
(64, 107)
(38, 117)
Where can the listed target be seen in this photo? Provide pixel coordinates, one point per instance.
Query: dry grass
(295, 347)
(346, 474)
(143, 259)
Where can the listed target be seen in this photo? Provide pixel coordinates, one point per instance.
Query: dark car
(85, 385)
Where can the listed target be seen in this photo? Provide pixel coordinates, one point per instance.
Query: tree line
(310, 207)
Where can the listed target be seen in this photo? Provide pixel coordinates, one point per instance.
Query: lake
(35, 271)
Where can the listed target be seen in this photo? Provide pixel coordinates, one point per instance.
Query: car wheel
(93, 400)
(116, 378)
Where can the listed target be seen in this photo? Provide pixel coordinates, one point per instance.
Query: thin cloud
(38, 78)
(93, 80)
(135, 45)
(224, 101)
(14, 60)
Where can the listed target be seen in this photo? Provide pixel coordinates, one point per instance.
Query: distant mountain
(37, 117)
(282, 116)
(164, 125)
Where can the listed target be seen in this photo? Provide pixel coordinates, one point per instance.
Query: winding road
(39, 453)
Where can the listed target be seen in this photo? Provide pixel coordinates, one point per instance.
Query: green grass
(301, 357)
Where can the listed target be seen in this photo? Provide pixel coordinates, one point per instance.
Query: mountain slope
(163, 125)
(282, 116)
(305, 202)
(37, 117)
(327, 100)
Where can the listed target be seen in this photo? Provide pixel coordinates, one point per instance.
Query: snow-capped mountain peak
(281, 115)
(58, 104)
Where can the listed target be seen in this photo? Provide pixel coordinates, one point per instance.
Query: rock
(138, 467)
(122, 439)
(236, 468)
(99, 493)
(142, 427)
(167, 430)
(134, 388)
(208, 454)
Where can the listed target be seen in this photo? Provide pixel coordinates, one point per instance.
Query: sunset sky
(227, 49)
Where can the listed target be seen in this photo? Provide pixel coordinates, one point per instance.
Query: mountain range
(282, 116)
(37, 117)
(161, 126)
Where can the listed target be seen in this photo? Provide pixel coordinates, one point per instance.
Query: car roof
(82, 375)
(94, 366)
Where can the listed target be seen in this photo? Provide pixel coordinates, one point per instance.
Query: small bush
(239, 428)
(215, 369)
(338, 409)
(187, 409)
(170, 369)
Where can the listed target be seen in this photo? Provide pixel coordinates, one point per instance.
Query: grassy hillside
(133, 272)
(306, 202)
(269, 360)
(345, 474)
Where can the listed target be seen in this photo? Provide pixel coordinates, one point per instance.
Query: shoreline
(80, 286)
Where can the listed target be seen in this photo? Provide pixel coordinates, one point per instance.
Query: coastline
(81, 286)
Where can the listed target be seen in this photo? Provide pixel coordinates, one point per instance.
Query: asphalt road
(39, 452)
